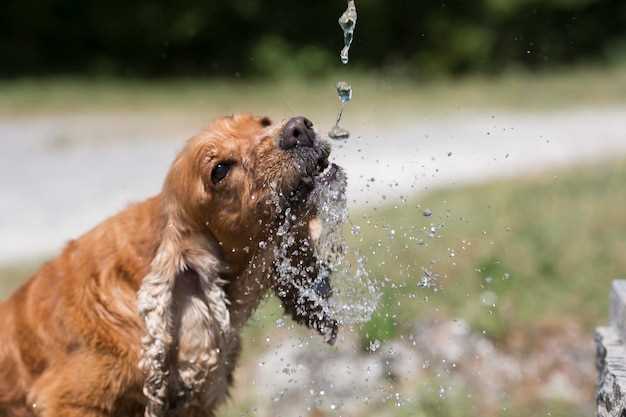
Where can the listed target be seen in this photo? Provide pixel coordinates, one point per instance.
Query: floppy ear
(155, 303)
(178, 255)
(304, 288)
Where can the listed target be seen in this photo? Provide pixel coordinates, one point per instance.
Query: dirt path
(59, 176)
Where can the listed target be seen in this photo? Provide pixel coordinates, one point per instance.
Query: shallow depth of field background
(487, 177)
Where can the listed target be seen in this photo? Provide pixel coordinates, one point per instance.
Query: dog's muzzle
(297, 132)
(309, 152)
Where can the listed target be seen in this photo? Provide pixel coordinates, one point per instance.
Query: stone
(610, 363)
(611, 357)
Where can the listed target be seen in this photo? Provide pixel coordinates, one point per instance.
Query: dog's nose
(297, 132)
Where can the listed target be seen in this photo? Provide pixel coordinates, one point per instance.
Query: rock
(611, 357)
(610, 362)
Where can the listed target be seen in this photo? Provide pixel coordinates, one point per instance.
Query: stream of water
(347, 22)
(344, 91)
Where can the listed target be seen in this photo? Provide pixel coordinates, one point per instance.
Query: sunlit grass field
(543, 248)
(375, 95)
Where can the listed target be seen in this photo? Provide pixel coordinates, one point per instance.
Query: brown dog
(142, 314)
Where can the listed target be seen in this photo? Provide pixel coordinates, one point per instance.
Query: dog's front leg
(85, 385)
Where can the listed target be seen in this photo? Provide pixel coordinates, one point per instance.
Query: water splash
(347, 22)
(355, 293)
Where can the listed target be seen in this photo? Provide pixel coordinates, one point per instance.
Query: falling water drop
(347, 22)
(344, 91)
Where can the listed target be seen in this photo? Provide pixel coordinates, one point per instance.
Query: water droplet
(488, 298)
(344, 91)
(374, 345)
(427, 279)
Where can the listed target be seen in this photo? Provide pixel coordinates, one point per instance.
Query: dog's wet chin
(306, 194)
(313, 171)
(332, 182)
(333, 176)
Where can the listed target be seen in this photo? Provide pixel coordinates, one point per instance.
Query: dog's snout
(297, 132)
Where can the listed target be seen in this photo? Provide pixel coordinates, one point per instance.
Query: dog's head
(234, 178)
(245, 176)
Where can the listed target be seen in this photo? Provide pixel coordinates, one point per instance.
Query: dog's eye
(220, 171)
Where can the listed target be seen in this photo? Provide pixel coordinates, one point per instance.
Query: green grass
(547, 247)
(375, 95)
(382, 325)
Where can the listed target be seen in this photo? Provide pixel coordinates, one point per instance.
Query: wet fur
(142, 314)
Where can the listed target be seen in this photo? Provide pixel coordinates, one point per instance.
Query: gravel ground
(61, 175)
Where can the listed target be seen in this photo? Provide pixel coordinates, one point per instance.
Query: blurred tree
(279, 37)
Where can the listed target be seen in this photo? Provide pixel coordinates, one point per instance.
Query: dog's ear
(305, 288)
(155, 305)
(178, 254)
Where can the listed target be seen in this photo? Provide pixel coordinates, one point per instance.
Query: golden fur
(142, 314)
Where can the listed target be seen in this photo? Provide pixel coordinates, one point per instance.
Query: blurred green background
(273, 38)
